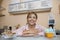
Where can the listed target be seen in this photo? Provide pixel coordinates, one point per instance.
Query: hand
(28, 32)
(31, 32)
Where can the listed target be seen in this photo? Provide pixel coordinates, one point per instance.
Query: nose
(32, 18)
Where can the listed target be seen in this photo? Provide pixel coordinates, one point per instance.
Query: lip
(31, 21)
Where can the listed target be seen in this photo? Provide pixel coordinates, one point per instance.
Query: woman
(31, 28)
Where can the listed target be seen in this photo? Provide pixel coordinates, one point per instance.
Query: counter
(31, 38)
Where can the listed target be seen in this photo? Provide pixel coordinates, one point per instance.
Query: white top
(21, 29)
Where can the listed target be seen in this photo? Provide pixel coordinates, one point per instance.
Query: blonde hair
(31, 13)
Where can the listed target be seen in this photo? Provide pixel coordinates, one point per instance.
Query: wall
(21, 19)
(55, 11)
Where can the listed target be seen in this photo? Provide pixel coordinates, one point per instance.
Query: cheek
(33, 20)
(28, 20)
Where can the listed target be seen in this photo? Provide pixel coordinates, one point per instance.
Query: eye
(34, 17)
(30, 17)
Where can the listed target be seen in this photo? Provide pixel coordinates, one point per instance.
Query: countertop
(32, 38)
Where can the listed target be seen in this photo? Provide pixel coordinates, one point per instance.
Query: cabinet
(33, 5)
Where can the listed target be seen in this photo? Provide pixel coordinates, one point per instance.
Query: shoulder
(40, 26)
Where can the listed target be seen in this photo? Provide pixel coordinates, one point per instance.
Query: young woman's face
(31, 19)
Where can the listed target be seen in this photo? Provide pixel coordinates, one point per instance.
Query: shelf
(1, 9)
(2, 15)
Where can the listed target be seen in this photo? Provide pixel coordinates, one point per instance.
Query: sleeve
(19, 31)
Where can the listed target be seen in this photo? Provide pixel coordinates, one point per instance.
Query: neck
(31, 26)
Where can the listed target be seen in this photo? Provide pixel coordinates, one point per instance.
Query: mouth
(31, 21)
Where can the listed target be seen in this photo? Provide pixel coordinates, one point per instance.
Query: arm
(28, 33)
(19, 31)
